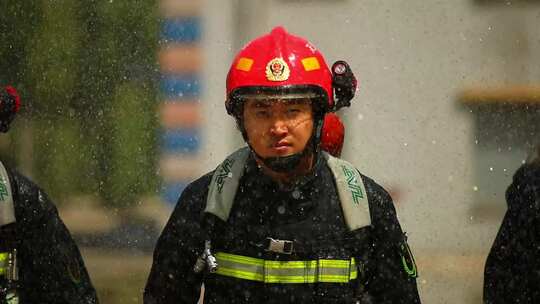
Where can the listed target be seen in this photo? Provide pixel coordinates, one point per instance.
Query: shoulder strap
(7, 210)
(224, 184)
(351, 191)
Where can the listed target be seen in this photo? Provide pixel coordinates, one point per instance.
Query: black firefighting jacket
(512, 271)
(51, 269)
(308, 213)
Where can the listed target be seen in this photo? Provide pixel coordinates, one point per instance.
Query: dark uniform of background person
(512, 271)
(40, 262)
(282, 198)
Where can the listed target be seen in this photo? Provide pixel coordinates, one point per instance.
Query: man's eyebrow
(297, 101)
(259, 104)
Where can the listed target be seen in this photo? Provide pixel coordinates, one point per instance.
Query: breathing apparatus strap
(225, 183)
(7, 210)
(350, 187)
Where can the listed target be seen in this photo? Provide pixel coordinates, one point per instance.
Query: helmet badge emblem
(277, 70)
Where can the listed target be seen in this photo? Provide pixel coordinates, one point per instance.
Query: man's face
(277, 127)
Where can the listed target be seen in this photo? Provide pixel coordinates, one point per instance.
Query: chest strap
(7, 210)
(350, 187)
(266, 271)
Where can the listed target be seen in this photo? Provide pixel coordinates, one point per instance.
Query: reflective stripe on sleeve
(4, 259)
(312, 271)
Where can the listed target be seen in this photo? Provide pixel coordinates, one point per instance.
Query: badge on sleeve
(74, 271)
(72, 266)
(407, 259)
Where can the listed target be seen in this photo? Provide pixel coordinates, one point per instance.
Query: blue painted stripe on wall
(180, 140)
(180, 86)
(170, 192)
(181, 30)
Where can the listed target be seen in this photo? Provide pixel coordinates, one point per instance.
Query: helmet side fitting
(333, 134)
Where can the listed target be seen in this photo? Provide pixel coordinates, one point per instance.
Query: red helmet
(333, 134)
(10, 102)
(280, 63)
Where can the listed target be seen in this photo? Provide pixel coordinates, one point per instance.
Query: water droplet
(475, 188)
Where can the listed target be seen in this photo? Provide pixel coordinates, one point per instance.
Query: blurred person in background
(512, 270)
(39, 261)
(333, 134)
(280, 221)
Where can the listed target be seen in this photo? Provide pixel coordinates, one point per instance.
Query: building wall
(405, 128)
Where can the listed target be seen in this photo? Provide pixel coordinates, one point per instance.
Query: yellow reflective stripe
(335, 263)
(290, 279)
(307, 279)
(248, 268)
(3, 262)
(354, 272)
(239, 259)
(229, 272)
(290, 264)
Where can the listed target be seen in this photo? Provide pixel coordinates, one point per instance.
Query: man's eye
(294, 111)
(261, 113)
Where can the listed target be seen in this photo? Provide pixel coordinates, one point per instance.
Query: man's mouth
(281, 144)
(281, 147)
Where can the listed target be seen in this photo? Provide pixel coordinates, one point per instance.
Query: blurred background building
(124, 107)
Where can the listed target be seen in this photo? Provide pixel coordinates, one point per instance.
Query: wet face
(277, 128)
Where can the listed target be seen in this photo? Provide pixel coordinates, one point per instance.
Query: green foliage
(131, 141)
(52, 62)
(66, 168)
(73, 61)
(18, 22)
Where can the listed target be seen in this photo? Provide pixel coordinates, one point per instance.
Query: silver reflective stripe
(7, 211)
(225, 183)
(351, 191)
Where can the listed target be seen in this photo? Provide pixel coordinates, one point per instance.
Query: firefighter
(279, 221)
(39, 261)
(333, 134)
(512, 270)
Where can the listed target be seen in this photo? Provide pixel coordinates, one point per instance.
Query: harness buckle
(279, 246)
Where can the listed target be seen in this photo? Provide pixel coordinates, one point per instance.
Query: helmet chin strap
(282, 164)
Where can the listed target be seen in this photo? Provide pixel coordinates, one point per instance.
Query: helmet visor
(315, 94)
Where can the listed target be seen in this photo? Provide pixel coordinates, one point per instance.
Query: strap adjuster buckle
(279, 246)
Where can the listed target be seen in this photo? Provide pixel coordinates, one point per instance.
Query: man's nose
(279, 126)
